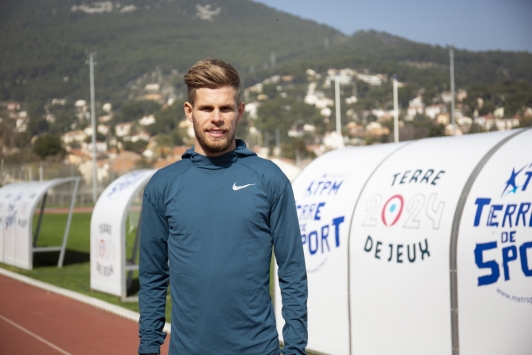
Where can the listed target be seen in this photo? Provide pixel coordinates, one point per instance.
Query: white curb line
(117, 310)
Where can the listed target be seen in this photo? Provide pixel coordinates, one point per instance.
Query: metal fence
(61, 195)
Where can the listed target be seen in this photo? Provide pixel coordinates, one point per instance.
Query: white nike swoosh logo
(236, 188)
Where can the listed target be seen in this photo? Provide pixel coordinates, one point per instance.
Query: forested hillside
(44, 42)
(45, 46)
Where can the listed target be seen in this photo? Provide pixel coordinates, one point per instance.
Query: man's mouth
(216, 133)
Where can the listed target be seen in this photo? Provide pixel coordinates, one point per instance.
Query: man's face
(215, 114)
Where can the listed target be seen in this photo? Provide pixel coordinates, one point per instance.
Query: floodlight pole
(337, 104)
(395, 111)
(337, 79)
(93, 123)
(451, 57)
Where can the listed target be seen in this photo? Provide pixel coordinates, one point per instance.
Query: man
(209, 223)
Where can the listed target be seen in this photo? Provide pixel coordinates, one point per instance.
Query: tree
(137, 147)
(438, 130)
(134, 110)
(47, 145)
(295, 147)
(37, 126)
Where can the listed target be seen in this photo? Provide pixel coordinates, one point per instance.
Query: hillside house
(375, 129)
(50, 118)
(88, 131)
(105, 118)
(351, 100)
(103, 129)
(152, 87)
(443, 119)
(461, 95)
(153, 97)
(502, 124)
(434, 110)
(145, 136)
(446, 97)
(73, 136)
(415, 106)
(319, 100)
(464, 121)
(59, 102)
(374, 80)
(147, 120)
(101, 147)
(21, 124)
(12, 105)
(499, 112)
(123, 129)
(448, 131)
(252, 109)
(76, 157)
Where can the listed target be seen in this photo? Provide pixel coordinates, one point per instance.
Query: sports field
(75, 274)
(30, 318)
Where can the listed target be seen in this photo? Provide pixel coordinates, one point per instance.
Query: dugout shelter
(18, 202)
(419, 247)
(111, 268)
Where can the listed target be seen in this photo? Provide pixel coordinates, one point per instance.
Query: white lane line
(35, 336)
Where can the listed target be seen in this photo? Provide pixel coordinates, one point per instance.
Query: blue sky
(467, 24)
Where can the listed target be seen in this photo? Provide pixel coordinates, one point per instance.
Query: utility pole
(344, 79)
(337, 104)
(277, 149)
(93, 122)
(451, 57)
(395, 111)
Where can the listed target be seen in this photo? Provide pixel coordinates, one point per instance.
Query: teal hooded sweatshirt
(208, 228)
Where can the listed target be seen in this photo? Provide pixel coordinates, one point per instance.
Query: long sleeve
(292, 271)
(153, 277)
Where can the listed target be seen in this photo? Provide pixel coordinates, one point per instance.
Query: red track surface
(35, 321)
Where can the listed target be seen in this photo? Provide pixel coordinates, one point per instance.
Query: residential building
(443, 119)
(152, 87)
(103, 129)
(145, 136)
(74, 136)
(415, 106)
(123, 129)
(434, 110)
(147, 120)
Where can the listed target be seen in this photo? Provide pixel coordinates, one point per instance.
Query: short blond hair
(212, 74)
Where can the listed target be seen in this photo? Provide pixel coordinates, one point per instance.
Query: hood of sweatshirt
(220, 161)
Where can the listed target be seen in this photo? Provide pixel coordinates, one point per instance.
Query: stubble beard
(212, 145)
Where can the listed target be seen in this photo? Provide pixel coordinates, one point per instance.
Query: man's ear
(188, 108)
(241, 110)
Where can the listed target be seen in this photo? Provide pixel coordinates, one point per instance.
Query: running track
(40, 322)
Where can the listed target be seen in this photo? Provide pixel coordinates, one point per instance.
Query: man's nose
(217, 117)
